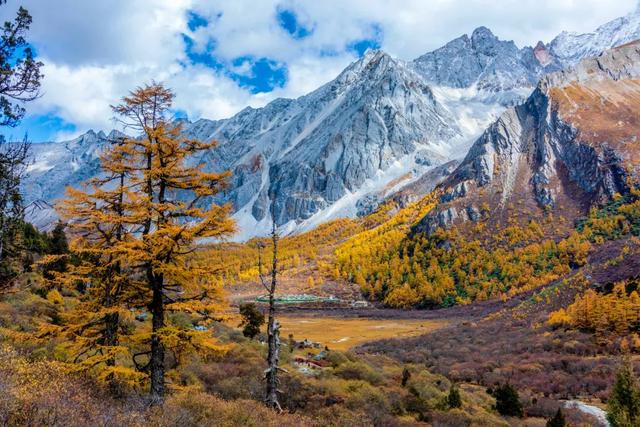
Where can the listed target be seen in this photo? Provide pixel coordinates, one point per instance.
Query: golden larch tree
(170, 212)
(100, 275)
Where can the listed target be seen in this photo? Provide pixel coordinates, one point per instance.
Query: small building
(359, 304)
(307, 344)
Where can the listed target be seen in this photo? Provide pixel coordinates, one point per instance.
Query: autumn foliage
(617, 311)
(134, 230)
(403, 269)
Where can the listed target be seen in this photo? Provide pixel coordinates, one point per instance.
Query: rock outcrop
(381, 125)
(573, 143)
(486, 62)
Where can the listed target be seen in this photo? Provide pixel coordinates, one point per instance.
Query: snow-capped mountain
(64, 164)
(380, 126)
(485, 62)
(573, 143)
(295, 158)
(375, 128)
(569, 48)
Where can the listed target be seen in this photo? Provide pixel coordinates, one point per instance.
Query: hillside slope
(573, 143)
(341, 150)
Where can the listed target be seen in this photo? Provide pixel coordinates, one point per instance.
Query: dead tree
(273, 327)
(13, 166)
(19, 83)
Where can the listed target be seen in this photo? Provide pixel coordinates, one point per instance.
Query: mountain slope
(376, 127)
(525, 207)
(573, 143)
(379, 127)
(485, 63)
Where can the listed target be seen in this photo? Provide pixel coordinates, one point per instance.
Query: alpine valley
(339, 151)
(448, 241)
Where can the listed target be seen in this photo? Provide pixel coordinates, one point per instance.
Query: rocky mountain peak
(373, 63)
(484, 41)
(482, 33)
(115, 134)
(542, 54)
(88, 139)
(482, 60)
(571, 144)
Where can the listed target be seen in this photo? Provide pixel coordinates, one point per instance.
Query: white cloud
(96, 51)
(411, 27)
(201, 93)
(97, 32)
(83, 94)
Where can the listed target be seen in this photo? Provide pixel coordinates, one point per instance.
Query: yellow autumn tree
(170, 210)
(603, 313)
(100, 277)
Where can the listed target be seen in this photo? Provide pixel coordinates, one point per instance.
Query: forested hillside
(449, 241)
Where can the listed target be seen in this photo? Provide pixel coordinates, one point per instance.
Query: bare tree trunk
(156, 364)
(111, 322)
(2, 237)
(273, 358)
(273, 329)
(110, 336)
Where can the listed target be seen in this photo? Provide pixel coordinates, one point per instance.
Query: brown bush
(201, 409)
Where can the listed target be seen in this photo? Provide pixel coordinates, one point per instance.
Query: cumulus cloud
(81, 32)
(96, 51)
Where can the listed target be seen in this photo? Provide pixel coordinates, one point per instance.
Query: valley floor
(345, 333)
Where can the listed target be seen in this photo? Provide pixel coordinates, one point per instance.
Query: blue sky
(221, 56)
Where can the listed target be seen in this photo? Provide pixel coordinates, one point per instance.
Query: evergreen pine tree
(58, 259)
(20, 83)
(508, 401)
(406, 375)
(252, 319)
(624, 403)
(58, 241)
(453, 398)
(557, 420)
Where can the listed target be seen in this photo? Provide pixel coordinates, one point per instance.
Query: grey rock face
(460, 190)
(534, 136)
(368, 204)
(473, 214)
(295, 158)
(483, 61)
(441, 219)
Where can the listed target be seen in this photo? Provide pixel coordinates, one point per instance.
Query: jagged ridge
(572, 144)
(338, 151)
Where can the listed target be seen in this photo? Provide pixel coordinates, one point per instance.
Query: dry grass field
(342, 334)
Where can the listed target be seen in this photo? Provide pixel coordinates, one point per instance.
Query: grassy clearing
(342, 334)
